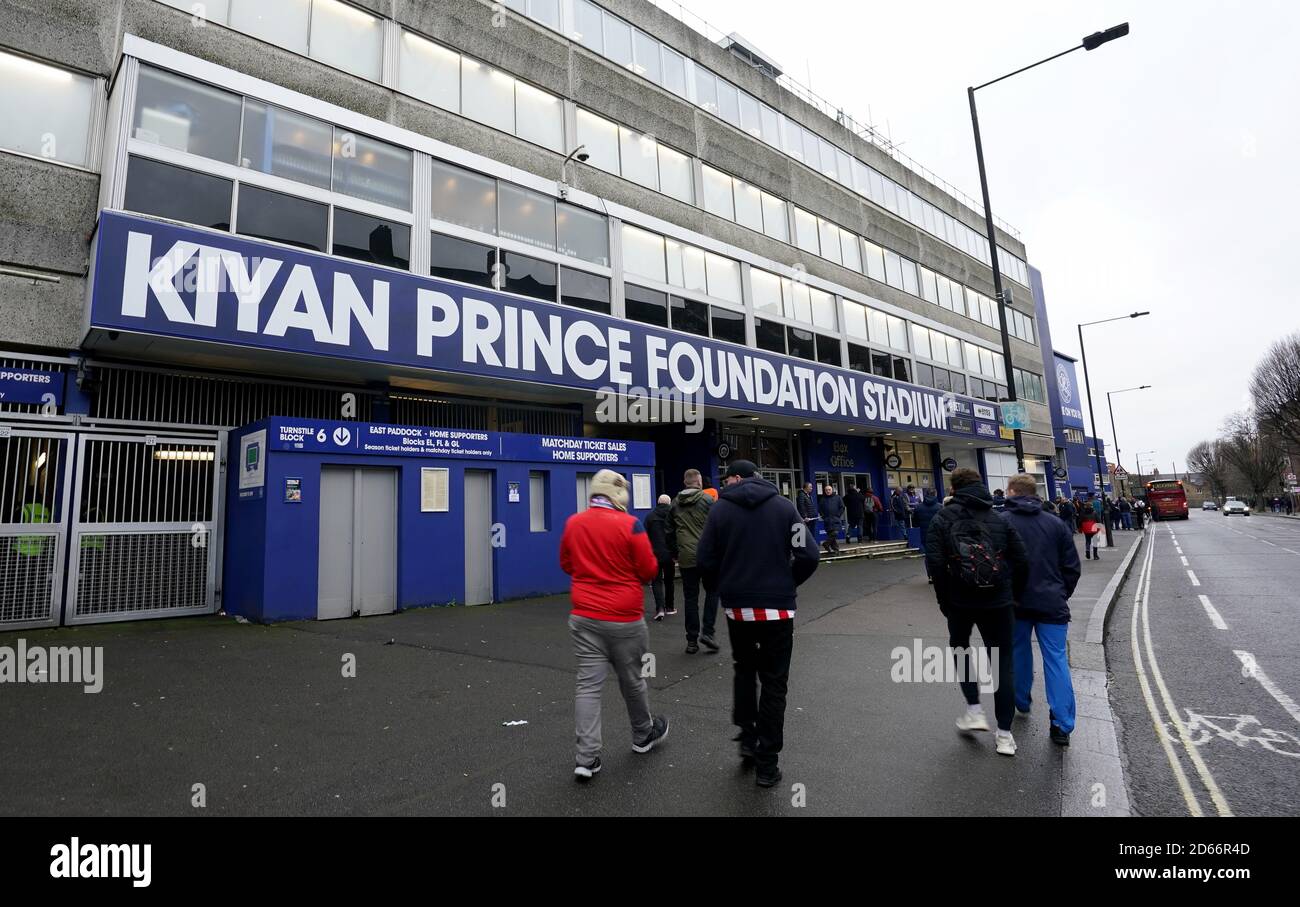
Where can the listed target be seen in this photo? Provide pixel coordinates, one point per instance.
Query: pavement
(1205, 678)
(454, 709)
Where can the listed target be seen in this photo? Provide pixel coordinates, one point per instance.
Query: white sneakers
(973, 719)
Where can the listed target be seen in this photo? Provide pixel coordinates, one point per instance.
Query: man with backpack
(980, 568)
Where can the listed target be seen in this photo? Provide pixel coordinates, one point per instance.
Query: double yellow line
(1141, 600)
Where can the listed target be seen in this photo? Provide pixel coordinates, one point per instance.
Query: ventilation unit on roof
(751, 55)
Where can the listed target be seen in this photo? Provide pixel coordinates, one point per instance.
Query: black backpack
(973, 557)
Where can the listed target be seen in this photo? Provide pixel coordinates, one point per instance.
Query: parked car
(1232, 505)
(1210, 505)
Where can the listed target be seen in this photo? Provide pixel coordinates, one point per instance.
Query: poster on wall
(512, 490)
(640, 491)
(292, 490)
(252, 465)
(435, 490)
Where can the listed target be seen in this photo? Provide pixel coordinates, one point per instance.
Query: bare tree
(1207, 458)
(1275, 389)
(1254, 451)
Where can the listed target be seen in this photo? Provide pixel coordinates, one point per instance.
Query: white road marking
(1215, 617)
(1216, 795)
(1192, 577)
(1184, 560)
(1179, 550)
(1189, 796)
(1251, 668)
(1289, 550)
(1267, 542)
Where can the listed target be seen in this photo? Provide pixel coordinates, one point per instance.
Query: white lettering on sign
(491, 333)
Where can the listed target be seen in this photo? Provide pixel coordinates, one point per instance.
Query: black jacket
(854, 506)
(1054, 567)
(1066, 512)
(832, 508)
(975, 502)
(747, 553)
(656, 527)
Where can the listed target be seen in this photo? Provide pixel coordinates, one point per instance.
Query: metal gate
(145, 539)
(35, 494)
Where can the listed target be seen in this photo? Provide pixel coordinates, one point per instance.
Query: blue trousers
(1056, 670)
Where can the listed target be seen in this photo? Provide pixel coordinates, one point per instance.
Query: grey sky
(1157, 172)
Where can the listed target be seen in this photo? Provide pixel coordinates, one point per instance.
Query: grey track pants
(598, 645)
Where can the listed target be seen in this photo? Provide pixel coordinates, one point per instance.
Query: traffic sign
(1015, 415)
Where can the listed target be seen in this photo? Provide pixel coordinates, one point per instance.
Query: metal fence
(35, 484)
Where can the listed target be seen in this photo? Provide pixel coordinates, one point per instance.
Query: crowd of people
(1002, 563)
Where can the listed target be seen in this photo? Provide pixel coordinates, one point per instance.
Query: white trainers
(1006, 743)
(972, 720)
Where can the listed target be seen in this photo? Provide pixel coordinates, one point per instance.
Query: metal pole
(997, 275)
(1096, 447)
(1111, 406)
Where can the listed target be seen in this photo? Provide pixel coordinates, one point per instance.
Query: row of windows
(636, 157)
(482, 265)
(747, 205)
(984, 362)
(1029, 386)
(483, 203)
(668, 261)
(687, 315)
(1074, 436)
(628, 46)
(1020, 325)
(195, 118)
(774, 295)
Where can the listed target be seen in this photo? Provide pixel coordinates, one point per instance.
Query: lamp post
(1092, 413)
(1110, 406)
(1140, 454)
(1091, 42)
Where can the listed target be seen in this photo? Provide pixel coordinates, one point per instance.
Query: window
(264, 214)
(429, 72)
(527, 276)
(830, 240)
(487, 95)
(801, 343)
(686, 266)
(589, 28)
(893, 269)
(457, 259)
(851, 252)
(284, 23)
(286, 143)
(464, 198)
(527, 216)
(539, 501)
(750, 120)
(823, 309)
(347, 38)
(601, 138)
(618, 41)
(769, 335)
(645, 306)
(186, 116)
(728, 325)
(717, 194)
(647, 62)
(875, 261)
(749, 206)
(805, 231)
(775, 224)
(901, 368)
(859, 358)
(1029, 386)
(798, 304)
(855, 320)
(638, 157)
(675, 175)
(921, 341)
(882, 365)
(689, 316)
(371, 239)
(583, 234)
(909, 278)
(173, 192)
(897, 333)
(584, 291)
(771, 126)
(539, 117)
(674, 72)
(828, 350)
(723, 277)
(925, 375)
(767, 291)
(46, 111)
(929, 286)
(706, 89)
(728, 102)
(373, 170)
(546, 12)
(643, 254)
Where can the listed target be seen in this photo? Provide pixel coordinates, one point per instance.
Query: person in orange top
(607, 554)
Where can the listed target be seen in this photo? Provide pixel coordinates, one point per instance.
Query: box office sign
(161, 279)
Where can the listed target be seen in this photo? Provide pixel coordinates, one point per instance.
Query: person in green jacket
(686, 517)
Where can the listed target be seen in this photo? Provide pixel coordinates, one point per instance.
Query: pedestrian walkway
(447, 703)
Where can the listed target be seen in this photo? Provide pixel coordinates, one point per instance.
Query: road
(1201, 649)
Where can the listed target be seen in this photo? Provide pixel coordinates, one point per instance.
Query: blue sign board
(986, 429)
(1066, 394)
(29, 385)
(160, 279)
(374, 439)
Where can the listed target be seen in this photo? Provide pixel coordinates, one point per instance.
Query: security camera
(582, 156)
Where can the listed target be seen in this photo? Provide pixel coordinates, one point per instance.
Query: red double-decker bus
(1167, 499)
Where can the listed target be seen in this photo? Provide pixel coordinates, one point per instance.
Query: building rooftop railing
(863, 130)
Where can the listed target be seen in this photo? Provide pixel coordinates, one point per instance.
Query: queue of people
(1002, 563)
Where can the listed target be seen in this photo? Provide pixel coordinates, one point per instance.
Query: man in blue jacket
(755, 550)
(1043, 608)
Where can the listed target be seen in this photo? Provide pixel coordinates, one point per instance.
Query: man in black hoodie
(663, 585)
(979, 566)
(756, 549)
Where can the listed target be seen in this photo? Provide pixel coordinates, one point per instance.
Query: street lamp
(1114, 437)
(1092, 413)
(1091, 42)
(579, 154)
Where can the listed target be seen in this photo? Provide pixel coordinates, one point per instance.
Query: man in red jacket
(608, 555)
